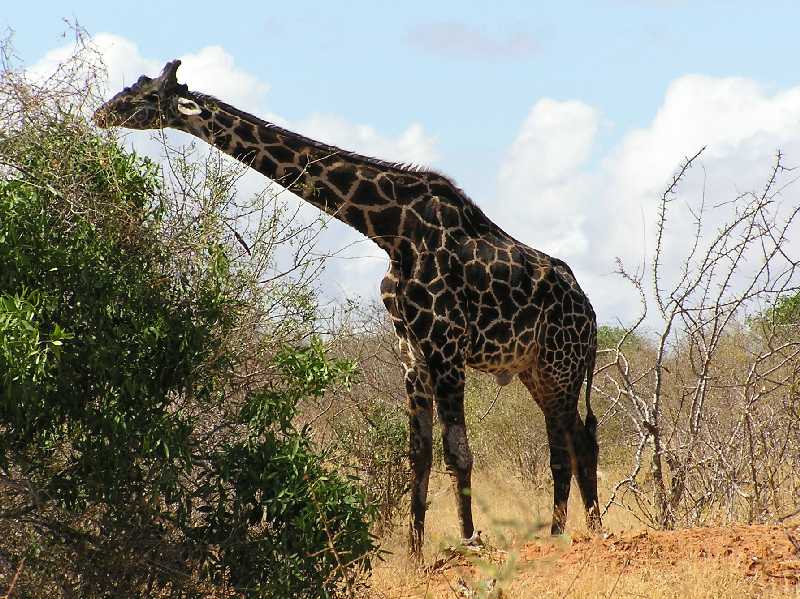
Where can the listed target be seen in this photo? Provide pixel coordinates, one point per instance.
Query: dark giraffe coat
(460, 291)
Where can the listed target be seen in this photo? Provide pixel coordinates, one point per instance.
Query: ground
(732, 561)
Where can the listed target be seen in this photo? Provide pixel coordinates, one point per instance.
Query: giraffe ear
(188, 107)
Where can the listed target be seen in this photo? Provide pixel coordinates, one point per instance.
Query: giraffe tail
(590, 423)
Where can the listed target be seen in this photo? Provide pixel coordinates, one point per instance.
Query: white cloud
(590, 214)
(122, 58)
(540, 187)
(729, 115)
(742, 126)
(554, 139)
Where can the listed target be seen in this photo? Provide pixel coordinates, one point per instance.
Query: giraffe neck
(362, 192)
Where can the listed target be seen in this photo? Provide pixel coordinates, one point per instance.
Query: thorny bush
(709, 403)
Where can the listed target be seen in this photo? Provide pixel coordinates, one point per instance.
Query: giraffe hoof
(474, 542)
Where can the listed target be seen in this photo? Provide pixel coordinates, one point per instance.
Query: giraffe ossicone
(460, 291)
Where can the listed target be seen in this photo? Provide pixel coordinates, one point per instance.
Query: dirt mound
(761, 556)
(772, 551)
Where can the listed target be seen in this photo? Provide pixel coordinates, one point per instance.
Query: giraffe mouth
(112, 115)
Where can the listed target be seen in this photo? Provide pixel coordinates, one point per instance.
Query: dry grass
(507, 511)
(515, 519)
(687, 578)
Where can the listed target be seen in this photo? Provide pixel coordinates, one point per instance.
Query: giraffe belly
(503, 368)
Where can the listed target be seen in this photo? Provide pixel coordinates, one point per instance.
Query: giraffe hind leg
(573, 451)
(582, 451)
(561, 468)
(586, 454)
(559, 445)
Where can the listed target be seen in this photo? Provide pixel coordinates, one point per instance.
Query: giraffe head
(149, 103)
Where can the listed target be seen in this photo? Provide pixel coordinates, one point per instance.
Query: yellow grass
(510, 513)
(688, 579)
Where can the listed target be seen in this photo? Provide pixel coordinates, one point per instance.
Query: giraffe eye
(188, 107)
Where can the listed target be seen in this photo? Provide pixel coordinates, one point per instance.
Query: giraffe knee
(457, 454)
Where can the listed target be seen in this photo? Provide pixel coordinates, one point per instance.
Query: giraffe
(459, 290)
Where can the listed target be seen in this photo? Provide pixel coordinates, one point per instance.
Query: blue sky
(545, 99)
(371, 62)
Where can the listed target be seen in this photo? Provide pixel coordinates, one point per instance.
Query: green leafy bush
(147, 444)
(373, 442)
(275, 502)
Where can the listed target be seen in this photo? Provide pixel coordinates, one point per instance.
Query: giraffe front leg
(420, 454)
(420, 439)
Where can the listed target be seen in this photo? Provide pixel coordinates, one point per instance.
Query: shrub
(367, 432)
(149, 383)
(710, 407)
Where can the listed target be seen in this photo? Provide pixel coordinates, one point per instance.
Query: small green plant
(373, 442)
(285, 526)
(609, 336)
